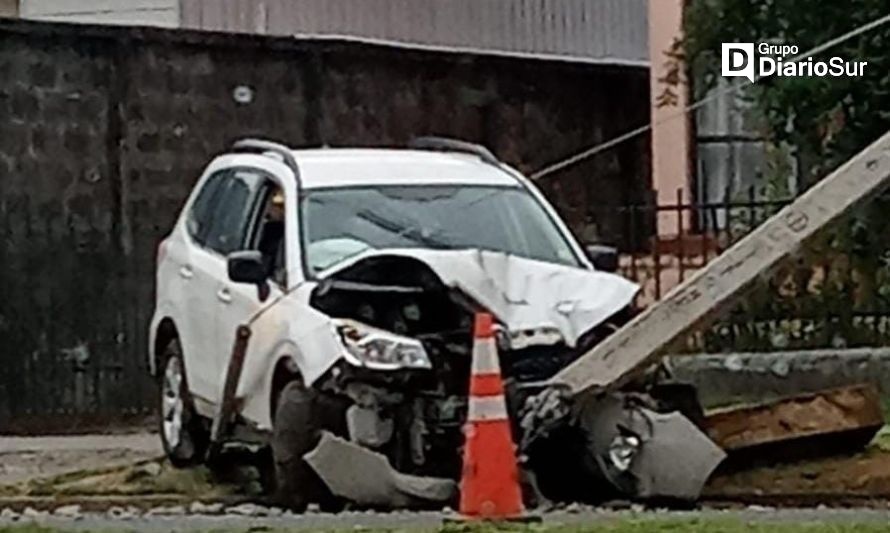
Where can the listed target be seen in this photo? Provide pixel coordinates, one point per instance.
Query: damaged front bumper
(367, 478)
(403, 449)
(613, 446)
(646, 454)
(408, 390)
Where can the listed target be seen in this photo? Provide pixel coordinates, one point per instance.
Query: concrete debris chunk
(175, 510)
(33, 513)
(68, 511)
(205, 508)
(367, 478)
(248, 509)
(120, 513)
(151, 469)
(573, 508)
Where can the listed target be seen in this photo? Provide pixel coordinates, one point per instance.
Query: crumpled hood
(523, 294)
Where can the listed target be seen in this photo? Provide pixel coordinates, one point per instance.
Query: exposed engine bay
(413, 417)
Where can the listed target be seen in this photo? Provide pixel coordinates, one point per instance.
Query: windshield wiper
(438, 230)
(413, 232)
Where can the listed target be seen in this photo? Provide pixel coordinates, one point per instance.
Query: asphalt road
(412, 520)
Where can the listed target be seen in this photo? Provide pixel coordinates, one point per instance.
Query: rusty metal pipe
(226, 411)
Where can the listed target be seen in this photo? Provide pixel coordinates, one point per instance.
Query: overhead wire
(602, 147)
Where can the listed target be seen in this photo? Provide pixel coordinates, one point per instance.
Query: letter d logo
(737, 59)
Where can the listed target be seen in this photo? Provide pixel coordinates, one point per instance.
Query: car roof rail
(264, 146)
(444, 144)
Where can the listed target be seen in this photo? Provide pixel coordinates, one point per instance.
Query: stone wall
(741, 378)
(103, 132)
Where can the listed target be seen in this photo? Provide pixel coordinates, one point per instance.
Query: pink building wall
(670, 133)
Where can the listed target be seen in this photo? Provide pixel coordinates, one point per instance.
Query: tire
(183, 435)
(296, 430)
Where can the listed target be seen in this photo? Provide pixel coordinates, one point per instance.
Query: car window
(199, 217)
(268, 232)
(339, 223)
(232, 212)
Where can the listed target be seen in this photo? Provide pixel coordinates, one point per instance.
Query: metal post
(233, 376)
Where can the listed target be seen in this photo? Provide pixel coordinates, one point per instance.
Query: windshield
(341, 222)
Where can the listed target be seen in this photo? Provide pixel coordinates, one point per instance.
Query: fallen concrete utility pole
(691, 304)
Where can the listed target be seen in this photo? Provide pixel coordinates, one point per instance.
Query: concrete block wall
(741, 378)
(103, 131)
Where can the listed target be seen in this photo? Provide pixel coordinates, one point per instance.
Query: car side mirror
(247, 266)
(603, 257)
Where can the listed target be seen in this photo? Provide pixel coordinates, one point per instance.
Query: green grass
(885, 407)
(645, 525)
(882, 439)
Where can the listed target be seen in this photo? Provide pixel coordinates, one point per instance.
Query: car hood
(530, 298)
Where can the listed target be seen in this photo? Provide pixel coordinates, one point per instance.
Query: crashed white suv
(321, 302)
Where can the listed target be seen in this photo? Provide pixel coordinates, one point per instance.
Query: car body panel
(673, 458)
(345, 167)
(289, 329)
(190, 277)
(286, 326)
(524, 294)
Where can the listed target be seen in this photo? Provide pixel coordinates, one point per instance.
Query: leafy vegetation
(844, 274)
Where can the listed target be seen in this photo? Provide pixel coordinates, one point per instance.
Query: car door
(197, 268)
(242, 301)
(232, 224)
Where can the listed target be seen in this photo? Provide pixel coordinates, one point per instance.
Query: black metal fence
(805, 305)
(733, 217)
(664, 243)
(73, 321)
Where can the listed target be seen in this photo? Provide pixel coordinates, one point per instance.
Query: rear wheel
(182, 434)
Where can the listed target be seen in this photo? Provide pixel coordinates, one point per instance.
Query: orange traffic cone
(490, 482)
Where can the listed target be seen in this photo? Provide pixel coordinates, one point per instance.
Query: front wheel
(183, 436)
(296, 430)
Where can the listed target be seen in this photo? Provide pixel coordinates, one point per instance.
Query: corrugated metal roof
(595, 31)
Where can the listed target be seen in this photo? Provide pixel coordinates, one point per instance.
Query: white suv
(356, 273)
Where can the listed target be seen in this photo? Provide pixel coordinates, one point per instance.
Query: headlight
(379, 349)
(623, 450)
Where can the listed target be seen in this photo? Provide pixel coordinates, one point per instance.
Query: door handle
(224, 295)
(186, 272)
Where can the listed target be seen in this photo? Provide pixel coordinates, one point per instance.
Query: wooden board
(837, 412)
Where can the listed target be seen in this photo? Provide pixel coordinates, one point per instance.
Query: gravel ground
(23, 458)
(253, 518)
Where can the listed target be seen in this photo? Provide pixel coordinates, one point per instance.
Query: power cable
(590, 152)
